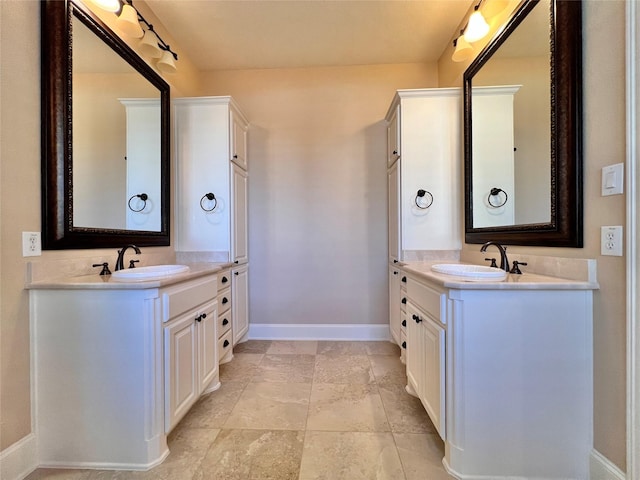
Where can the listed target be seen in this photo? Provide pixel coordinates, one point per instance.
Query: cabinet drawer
(224, 279)
(224, 323)
(224, 301)
(224, 344)
(188, 295)
(426, 298)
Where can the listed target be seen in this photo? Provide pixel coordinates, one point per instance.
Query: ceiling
(244, 34)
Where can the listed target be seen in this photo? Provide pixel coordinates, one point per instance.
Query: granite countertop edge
(105, 282)
(525, 281)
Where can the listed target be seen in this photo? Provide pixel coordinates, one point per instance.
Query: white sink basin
(474, 273)
(153, 272)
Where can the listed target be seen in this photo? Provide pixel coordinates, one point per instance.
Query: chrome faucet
(120, 259)
(504, 261)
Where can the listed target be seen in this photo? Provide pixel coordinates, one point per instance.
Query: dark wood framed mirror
(520, 130)
(103, 184)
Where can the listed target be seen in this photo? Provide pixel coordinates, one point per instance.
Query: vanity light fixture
(131, 22)
(477, 27)
(463, 49)
(128, 22)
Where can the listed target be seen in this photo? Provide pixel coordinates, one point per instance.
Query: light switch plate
(612, 179)
(611, 241)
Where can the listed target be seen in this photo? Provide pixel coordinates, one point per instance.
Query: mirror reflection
(116, 139)
(511, 128)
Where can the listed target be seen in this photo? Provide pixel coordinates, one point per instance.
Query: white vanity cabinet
(211, 172)
(115, 366)
(423, 153)
(240, 304)
(505, 374)
(190, 350)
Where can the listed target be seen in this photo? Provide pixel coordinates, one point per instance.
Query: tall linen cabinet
(211, 184)
(423, 174)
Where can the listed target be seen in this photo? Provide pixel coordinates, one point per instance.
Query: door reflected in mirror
(116, 139)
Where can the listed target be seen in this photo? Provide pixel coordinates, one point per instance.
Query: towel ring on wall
(142, 196)
(494, 193)
(209, 196)
(421, 193)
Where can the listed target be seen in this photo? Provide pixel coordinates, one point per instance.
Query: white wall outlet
(31, 246)
(611, 241)
(612, 179)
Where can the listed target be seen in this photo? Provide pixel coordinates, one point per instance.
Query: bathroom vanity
(504, 370)
(117, 365)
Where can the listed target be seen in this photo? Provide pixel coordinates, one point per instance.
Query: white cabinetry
(240, 305)
(191, 358)
(394, 304)
(225, 334)
(424, 133)
(116, 365)
(505, 375)
(211, 159)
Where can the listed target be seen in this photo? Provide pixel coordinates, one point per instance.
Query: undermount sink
(474, 273)
(153, 272)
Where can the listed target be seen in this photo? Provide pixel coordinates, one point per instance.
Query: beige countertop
(525, 281)
(105, 282)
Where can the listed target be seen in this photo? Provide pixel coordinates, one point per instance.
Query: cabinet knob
(236, 273)
(225, 344)
(395, 273)
(404, 279)
(225, 300)
(404, 323)
(225, 322)
(404, 300)
(199, 318)
(235, 156)
(416, 318)
(225, 279)
(236, 262)
(204, 315)
(404, 345)
(395, 152)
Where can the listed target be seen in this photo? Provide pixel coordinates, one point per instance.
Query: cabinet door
(208, 345)
(415, 350)
(240, 302)
(239, 242)
(181, 368)
(432, 392)
(238, 143)
(394, 304)
(393, 180)
(393, 138)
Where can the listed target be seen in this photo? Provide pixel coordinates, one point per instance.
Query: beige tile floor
(299, 410)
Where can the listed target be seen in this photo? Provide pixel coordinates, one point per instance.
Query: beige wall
(317, 188)
(317, 171)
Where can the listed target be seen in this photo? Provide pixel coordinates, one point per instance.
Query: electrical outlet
(611, 241)
(31, 246)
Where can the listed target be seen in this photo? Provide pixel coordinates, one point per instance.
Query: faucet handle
(105, 268)
(132, 263)
(493, 262)
(515, 268)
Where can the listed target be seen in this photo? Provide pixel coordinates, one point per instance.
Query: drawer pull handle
(225, 344)
(225, 322)
(236, 273)
(404, 345)
(225, 279)
(416, 318)
(225, 300)
(404, 300)
(404, 279)
(404, 323)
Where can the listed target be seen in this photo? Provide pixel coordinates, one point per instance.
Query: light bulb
(477, 27)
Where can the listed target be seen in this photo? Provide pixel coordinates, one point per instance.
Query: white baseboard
(20, 459)
(282, 331)
(601, 468)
